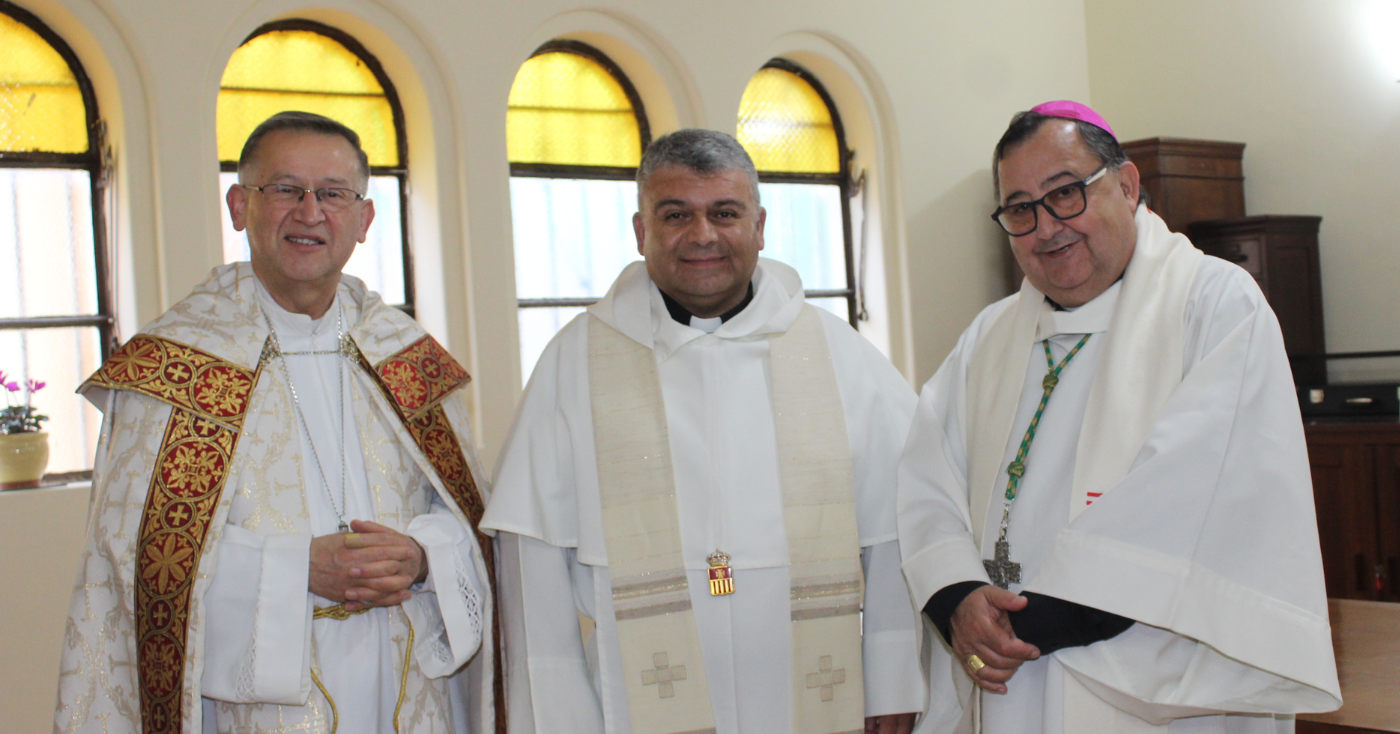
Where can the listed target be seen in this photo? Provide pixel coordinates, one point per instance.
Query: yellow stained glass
(303, 70)
(786, 126)
(41, 106)
(567, 109)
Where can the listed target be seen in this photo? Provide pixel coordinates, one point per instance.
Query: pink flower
(2, 377)
(35, 385)
(12, 386)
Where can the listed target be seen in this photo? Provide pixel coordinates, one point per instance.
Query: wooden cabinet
(1356, 487)
(1190, 180)
(1281, 253)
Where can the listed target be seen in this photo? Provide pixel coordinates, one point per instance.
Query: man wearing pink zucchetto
(1104, 503)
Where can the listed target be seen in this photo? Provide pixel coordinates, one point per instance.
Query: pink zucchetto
(1074, 111)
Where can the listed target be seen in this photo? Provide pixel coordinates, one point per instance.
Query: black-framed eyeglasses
(331, 198)
(1065, 202)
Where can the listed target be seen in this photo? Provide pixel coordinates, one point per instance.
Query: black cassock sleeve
(1047, 622)
(941, 605)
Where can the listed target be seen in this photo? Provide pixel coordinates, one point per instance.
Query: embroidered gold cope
(160, 511)
(666, 685)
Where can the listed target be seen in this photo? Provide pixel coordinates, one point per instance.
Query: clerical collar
(682, 316)
(1091, 318)
(296, 325)
(1058, 307)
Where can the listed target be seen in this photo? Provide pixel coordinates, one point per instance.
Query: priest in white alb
(703, 466)
(286, 492)
(1104, 504)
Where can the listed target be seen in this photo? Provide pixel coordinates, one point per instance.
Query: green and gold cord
(1017, 468)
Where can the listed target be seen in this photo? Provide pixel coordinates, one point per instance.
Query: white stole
(1140, 368)
(666, 686)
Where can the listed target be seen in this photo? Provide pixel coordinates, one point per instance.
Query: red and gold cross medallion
(721, 575)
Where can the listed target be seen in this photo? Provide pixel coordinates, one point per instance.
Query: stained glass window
(55, 313)
(567, 109)
(575, 130)
(791, 129)
(786, 126)
(301, 65)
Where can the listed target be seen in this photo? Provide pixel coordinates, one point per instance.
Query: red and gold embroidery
(210, 398)
(420, 375)
(416, 380)
(180, 375)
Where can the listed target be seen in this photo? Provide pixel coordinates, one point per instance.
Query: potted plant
(24, 448)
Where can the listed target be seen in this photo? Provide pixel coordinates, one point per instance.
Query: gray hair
(1100, 142)
(703, 151)
(302, 122)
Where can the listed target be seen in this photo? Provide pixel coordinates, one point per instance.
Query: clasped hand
(982, 627)
(372, 566)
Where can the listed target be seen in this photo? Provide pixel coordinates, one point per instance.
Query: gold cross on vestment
(1003, 571)
(825, 678)
(663, 675)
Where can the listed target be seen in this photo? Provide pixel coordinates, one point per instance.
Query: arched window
(55, 307)
(575, 131)
(308, 66)
(791, 129)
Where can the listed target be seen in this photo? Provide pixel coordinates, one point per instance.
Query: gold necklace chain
(342, 342)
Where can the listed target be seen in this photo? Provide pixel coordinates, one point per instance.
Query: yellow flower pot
(23, 458)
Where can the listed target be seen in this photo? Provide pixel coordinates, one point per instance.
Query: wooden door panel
(1388, 518)
(1343, 478)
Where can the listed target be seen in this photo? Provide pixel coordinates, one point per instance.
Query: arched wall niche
(119, 85)
(437, 203)
(867, 116)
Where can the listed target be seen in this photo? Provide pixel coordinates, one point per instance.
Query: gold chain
(340, 614)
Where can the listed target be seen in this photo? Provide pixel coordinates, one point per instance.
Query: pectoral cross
(1002, 570)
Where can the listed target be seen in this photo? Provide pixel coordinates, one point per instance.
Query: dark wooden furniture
(1281, 253)
(1356, 486)
(1302, 726)
(1190, 180)
(1356, 489)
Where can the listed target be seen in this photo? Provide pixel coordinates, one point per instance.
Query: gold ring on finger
(975, 663)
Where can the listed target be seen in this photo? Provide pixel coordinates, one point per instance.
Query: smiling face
(700, 235)
(1074, 260)
(299, 249)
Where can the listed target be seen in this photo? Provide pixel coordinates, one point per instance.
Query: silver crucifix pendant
(1002, 570)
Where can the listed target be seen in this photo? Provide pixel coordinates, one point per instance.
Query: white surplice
(717, 393)
(1232, 423)
(260, 630)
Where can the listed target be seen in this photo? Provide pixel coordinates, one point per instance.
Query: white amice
(716, 386)
(1207, 538)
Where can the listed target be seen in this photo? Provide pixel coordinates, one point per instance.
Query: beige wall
(41, 562)
(925, 87)
(1306, 85)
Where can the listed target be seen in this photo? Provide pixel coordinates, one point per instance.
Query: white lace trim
(250, 663)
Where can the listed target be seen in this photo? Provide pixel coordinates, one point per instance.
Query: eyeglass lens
(1065, 202)
(330, 198)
